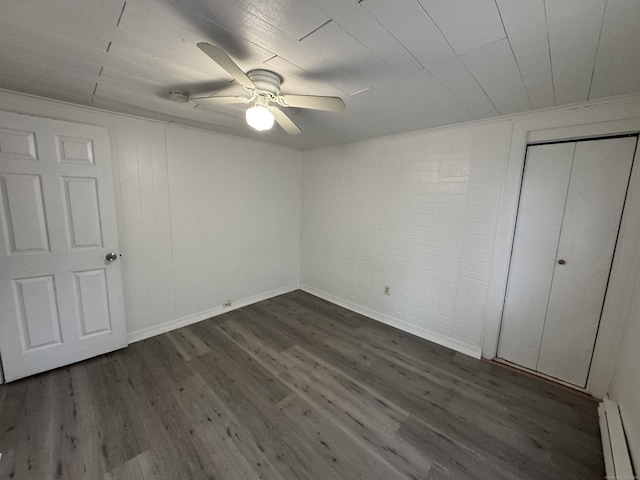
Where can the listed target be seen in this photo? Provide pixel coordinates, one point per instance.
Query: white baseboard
(138, 335)
(614, 444)
(452, 343)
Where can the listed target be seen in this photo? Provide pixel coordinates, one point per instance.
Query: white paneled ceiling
(399, 65)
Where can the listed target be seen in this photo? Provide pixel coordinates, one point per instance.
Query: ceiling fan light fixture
(260, 118)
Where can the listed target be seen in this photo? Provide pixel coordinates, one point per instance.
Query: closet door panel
(595, 200)
(540, 212)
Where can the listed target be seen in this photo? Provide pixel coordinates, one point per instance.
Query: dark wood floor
(293, 388)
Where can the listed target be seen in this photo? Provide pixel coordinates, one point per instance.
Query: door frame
(576, 123)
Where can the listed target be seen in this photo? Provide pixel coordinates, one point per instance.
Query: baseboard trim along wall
(614, 444)
(471, 350)
(136, 336)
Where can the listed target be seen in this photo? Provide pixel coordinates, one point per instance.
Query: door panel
(82, 212)
(38, 310)
(61, 301)
(23, 207)
(18, 144)
(595, 200)
(75, 150)
(540, 212)
(93, 301)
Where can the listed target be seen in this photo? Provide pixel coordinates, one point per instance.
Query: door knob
(111, 256)
(561, 262)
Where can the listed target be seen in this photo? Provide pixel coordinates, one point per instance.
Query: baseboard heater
(614, 444)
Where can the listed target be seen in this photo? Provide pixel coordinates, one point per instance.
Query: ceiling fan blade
(285, 122)
(219, 56)
(209, 101)
(314, 102)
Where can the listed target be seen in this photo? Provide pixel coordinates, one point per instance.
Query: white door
(568, 218)
(60, 298)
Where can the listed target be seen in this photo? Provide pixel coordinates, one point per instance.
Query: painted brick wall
(417, 213)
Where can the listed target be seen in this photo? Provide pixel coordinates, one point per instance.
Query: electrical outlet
(227, 304)
(387, 290)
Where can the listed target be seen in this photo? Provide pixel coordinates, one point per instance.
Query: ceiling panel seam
(124, 5)
(95, 89)
(396, 39)
(456, 55)
(524, 84)
(595, 63)
(420, 63)
(315, 30)
(546, 24)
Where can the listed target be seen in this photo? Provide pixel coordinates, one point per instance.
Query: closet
(569, 213)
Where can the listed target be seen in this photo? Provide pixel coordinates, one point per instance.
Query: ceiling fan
(265, 99)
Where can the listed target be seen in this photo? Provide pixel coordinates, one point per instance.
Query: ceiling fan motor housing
(266, 80)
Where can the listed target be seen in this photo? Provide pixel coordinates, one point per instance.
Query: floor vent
(614, 443)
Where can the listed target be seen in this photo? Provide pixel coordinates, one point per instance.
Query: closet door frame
(599, 120)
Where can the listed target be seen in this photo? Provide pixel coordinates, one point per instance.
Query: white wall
(203, 218)
(235, 215)
(417, 213)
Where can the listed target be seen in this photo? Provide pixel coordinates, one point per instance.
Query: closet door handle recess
(561, 262)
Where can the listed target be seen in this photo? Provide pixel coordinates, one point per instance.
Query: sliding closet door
(597, 191)
(544, 190)
(569, 214)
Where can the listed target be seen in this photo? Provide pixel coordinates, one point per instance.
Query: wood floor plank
(187, 343)
(451, 458)
(317, 314)
(527, 398)
(32, 441)
(253, 345)
(365, 430)
(117, 438)
(270, 326)
(290, 388)
(336, 315)
(160, 424)
(343, 389)
(466, 421)
(350, 459)
(292, 459)
(142, 467)
(75, 414)
(231, 447)
(232, 360)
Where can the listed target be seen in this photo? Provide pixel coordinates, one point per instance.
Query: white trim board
(165, 327)
(471, 350)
